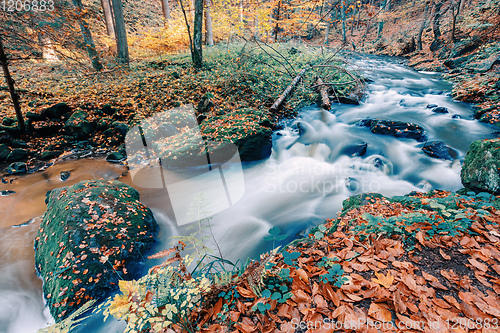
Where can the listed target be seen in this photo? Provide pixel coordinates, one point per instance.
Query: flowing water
(302, 183)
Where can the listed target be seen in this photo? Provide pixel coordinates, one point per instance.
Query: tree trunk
(166, 10)
(422, 27)
(198, 34)
(87, 37)
(327, 33)
(436, 19)
(342, 14)
(277, 27)
(108, 17)
(241, 12)
(288, 90)
(381, 22)
(120, 33)
(208, 24)
(323, 93)
(48, 52)
(10, 84)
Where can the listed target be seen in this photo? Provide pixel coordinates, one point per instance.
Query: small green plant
(334, 275)
(275, 235)
(289, 257)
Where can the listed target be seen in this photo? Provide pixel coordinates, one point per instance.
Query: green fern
(69, 324)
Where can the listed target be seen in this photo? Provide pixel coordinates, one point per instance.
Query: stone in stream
(17, 168)
(432, 106)
(481, 168)
(397, 129)
(5, 193)
(65, 175)
(439, 149)
(115, 157)
(440, 109)
(92, 234)
(355, 150)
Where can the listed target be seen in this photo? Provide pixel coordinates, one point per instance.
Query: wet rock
(365, 122)
(114, 136)
(355, 150)
(432, 106)
(33, 116)
(50, 154)
(93, 234)
(108, 109)
(115, 157)
(481, 168)
(17, 154)
(205, 105)
(440, 109)
(347, 100)
(56, 112)
(398, 129)
(6, 193)
(17, 168)
(8, 121)
(78, 126)
(104, 123)
(65, 175)
(407, 47)
(47, 128)
(439, 149)
(19, 144)
(120, 127)
(4, 137)
(465, 46)
(456, 116)
(4, 152)
(352, 184)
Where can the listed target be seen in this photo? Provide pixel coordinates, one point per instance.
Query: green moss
(92, 234)
(481, 169)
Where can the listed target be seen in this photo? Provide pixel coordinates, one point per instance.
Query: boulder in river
(481, 168)
(17, 168)
(440, 109)
(439, 149)
(93, 234)
(17, 154)
(398, 129)
(355, 149)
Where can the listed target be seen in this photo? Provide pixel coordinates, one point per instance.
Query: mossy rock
(481, 169)
(78, 126)
(4, 152)
(359, 200)
(93, 234)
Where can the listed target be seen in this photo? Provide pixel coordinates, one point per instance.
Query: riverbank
(67, 110)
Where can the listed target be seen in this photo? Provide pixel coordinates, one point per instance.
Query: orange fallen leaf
(383, 280)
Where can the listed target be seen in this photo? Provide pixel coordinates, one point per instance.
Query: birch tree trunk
(120, 33)
(209, 37)
(87, 37)
(166, 10)
(108, 17)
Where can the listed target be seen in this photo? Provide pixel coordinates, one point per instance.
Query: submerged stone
(93, 234)
(398, 129)
(439, 149)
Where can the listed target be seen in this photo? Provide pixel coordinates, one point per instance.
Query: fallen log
(287, 91)
(323, 92)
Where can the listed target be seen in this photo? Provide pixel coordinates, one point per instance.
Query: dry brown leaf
(379, 311)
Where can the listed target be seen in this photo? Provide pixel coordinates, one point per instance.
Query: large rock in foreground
(481, 169)
(93, 234)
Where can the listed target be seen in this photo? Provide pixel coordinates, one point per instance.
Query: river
(303, 182)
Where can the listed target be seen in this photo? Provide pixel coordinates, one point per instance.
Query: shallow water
(302, 183)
